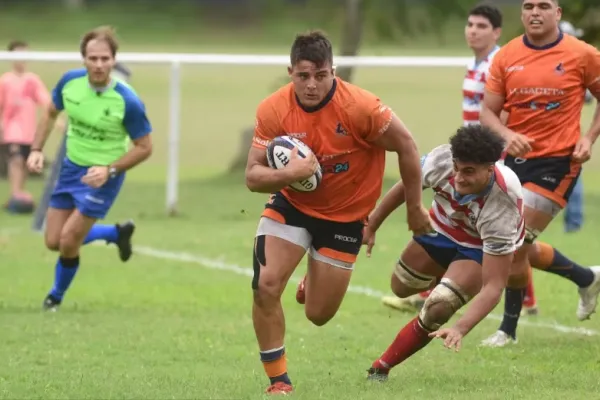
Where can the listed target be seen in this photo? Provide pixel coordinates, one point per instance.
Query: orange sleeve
(494, 82)
(266, 126)
(372, 118)
(592, 70)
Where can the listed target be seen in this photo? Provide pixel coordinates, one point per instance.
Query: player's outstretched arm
(397, 138)
(495, 270)
(592, 83)
(261, 178)
(393, 199)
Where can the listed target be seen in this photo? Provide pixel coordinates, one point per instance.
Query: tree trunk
(352, 31)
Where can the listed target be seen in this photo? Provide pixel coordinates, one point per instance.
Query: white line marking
(215, 264)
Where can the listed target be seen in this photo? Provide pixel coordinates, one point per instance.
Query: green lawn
(175, 321)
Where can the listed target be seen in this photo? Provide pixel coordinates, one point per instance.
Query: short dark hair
(489, 12)
(105, 33)
(554, 1)
(16, 44)
(313, 46)
(476, 144)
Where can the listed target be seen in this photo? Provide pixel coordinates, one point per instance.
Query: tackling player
(477, 215)
(540, 79)
(104, 115)
(482, 31)
(349, 131)
(21, 94)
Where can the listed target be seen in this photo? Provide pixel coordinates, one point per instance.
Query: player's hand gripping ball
(280, 153)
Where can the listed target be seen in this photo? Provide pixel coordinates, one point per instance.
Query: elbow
(147, 151)
(251, 182)
(250, 185)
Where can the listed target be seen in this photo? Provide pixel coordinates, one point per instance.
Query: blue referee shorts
(70, 193)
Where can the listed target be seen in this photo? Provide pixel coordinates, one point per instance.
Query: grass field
(175, 321)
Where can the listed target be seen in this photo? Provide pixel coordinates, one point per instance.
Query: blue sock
(66, 268)
(513, 303)
(102, 232)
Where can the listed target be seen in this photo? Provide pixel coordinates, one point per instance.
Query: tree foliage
(584, 14)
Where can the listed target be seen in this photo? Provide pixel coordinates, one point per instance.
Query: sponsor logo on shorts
(94, 199)
(348, 239)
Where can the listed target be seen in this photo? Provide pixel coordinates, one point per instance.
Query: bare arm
(393, 199)
(504, 117)
(492, 115)
(397, 138)
(495, 269)
(263, 179)
(592, 83)
(45, 126)
(594, 130)
(141, 150)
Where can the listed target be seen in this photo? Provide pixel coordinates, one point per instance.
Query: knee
(443, 302)
(267, 291)
(52, 242)
(318, 316)
(407, 282)
(400, 289)
(519, 271)
(69, 243)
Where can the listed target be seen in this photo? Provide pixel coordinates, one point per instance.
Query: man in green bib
(104, 115)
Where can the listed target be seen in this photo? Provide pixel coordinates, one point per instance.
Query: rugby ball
(278, 156)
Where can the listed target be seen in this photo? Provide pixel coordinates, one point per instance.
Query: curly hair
(313, 46)
(476, 144)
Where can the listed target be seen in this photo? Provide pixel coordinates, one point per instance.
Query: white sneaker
(410, 304)
(498, 339)
(588, 297)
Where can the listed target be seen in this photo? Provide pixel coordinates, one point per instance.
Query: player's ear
(333, 69)
(497, 33)
(290, 70)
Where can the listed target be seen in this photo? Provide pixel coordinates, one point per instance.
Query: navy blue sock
(275, 365)
(66, 268)
(513, 303)
(102, 232)
(562, 266)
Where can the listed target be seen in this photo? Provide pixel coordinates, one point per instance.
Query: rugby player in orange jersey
(349, 131)
(540, 79)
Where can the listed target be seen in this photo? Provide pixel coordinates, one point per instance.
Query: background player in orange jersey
(540, 79)
(349, 130)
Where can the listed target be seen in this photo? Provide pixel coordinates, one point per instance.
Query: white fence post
(175, 60)
(173, 140)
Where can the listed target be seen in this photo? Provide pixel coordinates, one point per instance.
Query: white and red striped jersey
(491, 221)
(474, 86)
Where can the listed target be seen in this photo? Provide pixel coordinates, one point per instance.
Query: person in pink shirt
(21, 93)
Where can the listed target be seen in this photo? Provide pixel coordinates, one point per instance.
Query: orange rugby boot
(300, 294)
(279, 388)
